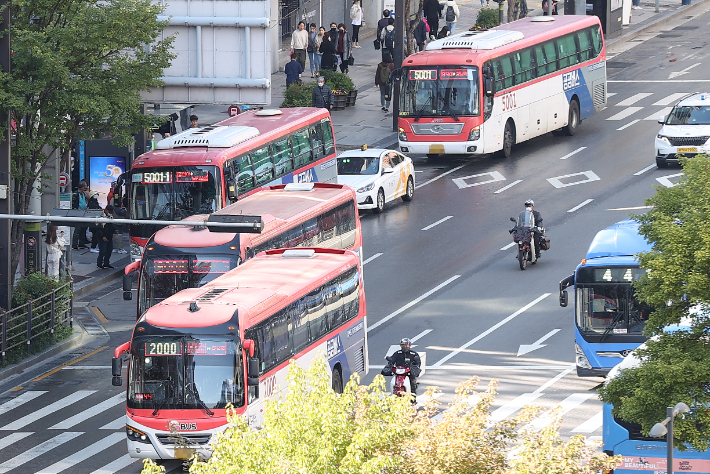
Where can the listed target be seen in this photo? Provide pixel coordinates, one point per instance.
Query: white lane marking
(579, 206)
(668, 100)
(649, 167)
(630, 208)
(628, 124)
(591, 425)
(420, 335)
(89, 412)
(508, 246)
(633, 99)
(371, 258)
(437, 223)
(673, 75)
(474, 368)
(413, 302)
(625, 113)
(554, 379)
(84, 454)
(609, 94)
(13, 438)
(39, 450)
(491, 329)
(507, 187)
(462, 184)
(87, 367)
(566, 405)
(573, 153)
(500, 414)
(525, 348)
(440, 176)
(666, 180)
(556, 181)
(20, 399)
(47, 410)
(116, 424)
(664, 112)
(115, 466)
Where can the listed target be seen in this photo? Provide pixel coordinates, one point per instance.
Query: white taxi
(377, 175)
(685, 131)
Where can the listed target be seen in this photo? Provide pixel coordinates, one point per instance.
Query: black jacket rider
(408, 359)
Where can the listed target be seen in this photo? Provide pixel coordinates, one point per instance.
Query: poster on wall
(104, 170)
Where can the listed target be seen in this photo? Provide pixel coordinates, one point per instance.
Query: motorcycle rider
(530, 206)
(405, 357)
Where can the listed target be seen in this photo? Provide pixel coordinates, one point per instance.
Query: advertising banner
(104, 170)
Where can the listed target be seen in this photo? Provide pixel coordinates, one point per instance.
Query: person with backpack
(382, 80)
(451, 14)
(432, 12)
(387, 35)
(420, 32)
(381, 25)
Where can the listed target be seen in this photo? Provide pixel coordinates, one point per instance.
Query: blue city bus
(609, 320)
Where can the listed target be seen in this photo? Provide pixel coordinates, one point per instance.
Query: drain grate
(89, 323)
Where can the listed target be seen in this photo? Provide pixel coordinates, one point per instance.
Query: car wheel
(508, 140)
(573, 119)
(409, 193)
(380, 201)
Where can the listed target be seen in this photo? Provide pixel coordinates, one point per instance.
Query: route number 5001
(508, 101)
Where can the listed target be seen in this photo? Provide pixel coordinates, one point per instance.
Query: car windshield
(358, 165)
(184, 373)
(689, 115)
(441, 91)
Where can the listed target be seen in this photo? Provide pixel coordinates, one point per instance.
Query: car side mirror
(388, 170)
(662, 119)
(513, 219)
(489, 87)
(116, 366)
(232, 190)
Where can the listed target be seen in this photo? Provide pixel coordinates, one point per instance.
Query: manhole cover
(618, 64)
(670, 36)
(685, 28)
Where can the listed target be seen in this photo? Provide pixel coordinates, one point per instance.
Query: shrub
(299, 95)
(487, 18)
(338, 81)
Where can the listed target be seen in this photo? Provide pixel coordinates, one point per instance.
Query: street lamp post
(665, 428)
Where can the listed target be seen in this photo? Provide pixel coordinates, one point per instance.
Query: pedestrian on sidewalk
(443, 33)
(106, 242)
(382, 80)
(312, 48)
(322, 95)
(80, 200)
(636, 5)
(451, 15)
(299, 44)
(293, 71)
(357, 15)
(432, 12)
(387, 34)
(382, 24)
(327, 50)
(420, 32)
(94, 205)
(55, 247)
(343, 46)
(318, 56)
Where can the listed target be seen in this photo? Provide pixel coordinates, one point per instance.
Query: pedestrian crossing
(638, 103)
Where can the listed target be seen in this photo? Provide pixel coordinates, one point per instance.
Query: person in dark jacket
(420, 33)
(443, 33)
(382, 24)
(343, 47)
(80, 200)
(328, 63)
(95, 231)
(293, 70)
(384, 69)
(405, 357)
(432, 12)
(322, 96)
(106, 241)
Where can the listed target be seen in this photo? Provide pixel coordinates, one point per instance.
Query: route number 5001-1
(508, 101)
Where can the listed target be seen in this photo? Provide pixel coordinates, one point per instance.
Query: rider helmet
(405, 344)
(529, 203)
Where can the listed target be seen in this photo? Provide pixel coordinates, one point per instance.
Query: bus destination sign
(609, 274)
(422, 75)
(454, 73)
(206, 348)
(155, 177)
(197, 176)
(163, 348)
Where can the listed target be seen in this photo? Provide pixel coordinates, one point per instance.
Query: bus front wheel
(508, 140)
(573, 119)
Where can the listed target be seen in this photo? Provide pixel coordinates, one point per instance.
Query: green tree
(77, 70)
(674, 366)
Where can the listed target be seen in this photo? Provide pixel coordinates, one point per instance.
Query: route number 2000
(508, 101)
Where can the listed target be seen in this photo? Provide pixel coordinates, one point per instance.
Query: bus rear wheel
(572, 119)
(508, 140)
(337, 381)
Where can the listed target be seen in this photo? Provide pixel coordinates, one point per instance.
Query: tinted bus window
(301, 148)
(585, 45)
(245, 178)
(597, 41)
(317, 141)
(263, 168)
(281, 151)
(567, 51)
(524, 62)
(329, 143)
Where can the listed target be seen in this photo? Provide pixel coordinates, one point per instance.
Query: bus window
(315, 305)
(597, 41)
(295, 237)
(316, 132)
(301, 148)
(299, 323)
(196, 190)
(280, 331)
(507, 69)
(328, 137)
(245, 177)
(567, 51)
(282, 157)
(585, 45)
(349, 283)
(549, 57)
(524, 62)
(263, 167)
(333, 304)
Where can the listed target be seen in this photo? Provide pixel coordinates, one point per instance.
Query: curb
(96, 283)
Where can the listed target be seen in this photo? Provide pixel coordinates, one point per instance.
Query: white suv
(685, 131)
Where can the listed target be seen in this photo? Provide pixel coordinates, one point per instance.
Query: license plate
(436, 148)
(184, 453)
(687, 150)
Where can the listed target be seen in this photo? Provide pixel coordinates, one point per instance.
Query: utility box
(223, 53)
(610, 14)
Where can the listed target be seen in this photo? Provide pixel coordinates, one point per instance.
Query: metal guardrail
(37, 317)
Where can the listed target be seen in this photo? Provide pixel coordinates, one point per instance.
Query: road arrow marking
(684, 71)
(525, 348)
(666, 180)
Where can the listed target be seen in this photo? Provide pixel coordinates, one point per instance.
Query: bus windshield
(606, 304)
(164, 275)
(184, 373)
(174, 193)
(440, 91)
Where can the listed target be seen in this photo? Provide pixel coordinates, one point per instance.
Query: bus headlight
(581, 358)
(136, 251)
(136, 435)
(475, 134)
(402, 135)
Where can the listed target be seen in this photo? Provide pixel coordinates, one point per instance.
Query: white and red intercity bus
(201, 170)
(484, 91)
(230, 341)
(293, 215)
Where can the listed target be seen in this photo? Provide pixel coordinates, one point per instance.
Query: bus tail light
(475, 134)
(402, 135)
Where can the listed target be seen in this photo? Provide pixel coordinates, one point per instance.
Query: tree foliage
(312, 430)
(486, 18)
(77, 70)
(674, 366)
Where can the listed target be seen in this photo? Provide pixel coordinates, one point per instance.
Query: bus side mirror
(563, 298)
(566, 283)
(128, 274)
(116, 365)
(253, 371)
(232, 190)
(488, 85)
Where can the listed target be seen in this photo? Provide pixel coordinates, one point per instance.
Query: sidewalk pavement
(87, 276)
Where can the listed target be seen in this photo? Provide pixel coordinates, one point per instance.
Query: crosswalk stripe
(12, 438)
(591, 425)
(88, 413)
(47, 410)
(20, 399)
(114, 466)
(514, 405)
(84, 454)
(565, 405)
(609, 94)
(38, 450)
(625, 113)
(671, 98)
(633, 99)
(663, 112)
(121, 422)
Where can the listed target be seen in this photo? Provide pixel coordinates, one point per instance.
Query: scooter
(526, 238)
(399, 384)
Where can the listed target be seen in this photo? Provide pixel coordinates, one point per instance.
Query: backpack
(384, 74)
(389, 39)
(450, 15)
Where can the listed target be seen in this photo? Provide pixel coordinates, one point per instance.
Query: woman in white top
(356, 14)
(55, 246)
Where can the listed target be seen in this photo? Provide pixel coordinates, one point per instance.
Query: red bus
(228, 342)
(202, 170)
(294, 215)
(484, 91)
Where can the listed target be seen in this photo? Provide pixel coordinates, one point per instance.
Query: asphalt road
(455, 287)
